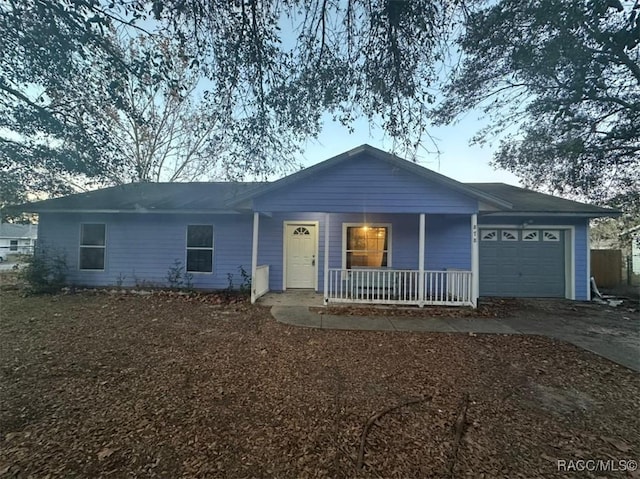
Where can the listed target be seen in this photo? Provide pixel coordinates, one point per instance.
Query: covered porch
(352, 262)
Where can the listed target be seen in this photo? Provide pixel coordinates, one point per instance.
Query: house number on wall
(475, 233)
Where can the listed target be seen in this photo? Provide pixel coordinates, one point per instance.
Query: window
(367, 246)
(530, 235)
(488, 235)
(200, 248)
(509, 235)
(92, 246)
(551, 235)
(13, 245)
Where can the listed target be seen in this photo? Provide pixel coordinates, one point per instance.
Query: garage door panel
(522, 268)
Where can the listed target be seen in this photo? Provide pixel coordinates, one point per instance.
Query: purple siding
(579, 242)
(366, 186)
(142, 247)
(448, 241)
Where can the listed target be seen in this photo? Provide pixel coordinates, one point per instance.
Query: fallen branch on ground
(374, 418)
(460, 423)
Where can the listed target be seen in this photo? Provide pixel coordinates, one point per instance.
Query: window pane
(92, 235)
(355, 238)
(368, 260)
(13, 245)
(367, 246)
(200, 236)
(200, 260)
(91, 258)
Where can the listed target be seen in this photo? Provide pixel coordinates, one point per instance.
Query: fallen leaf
(618, 444)
(106, 452)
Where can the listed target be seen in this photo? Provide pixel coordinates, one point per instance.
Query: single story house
(365, 226)
(17, 239)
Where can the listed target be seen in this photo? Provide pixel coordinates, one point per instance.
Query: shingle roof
(227, 197)
(148, 197)
(528, 201)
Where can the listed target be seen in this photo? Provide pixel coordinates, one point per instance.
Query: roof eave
(138, 211)
(576, 214)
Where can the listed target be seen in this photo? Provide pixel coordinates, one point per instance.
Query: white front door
(301, 255)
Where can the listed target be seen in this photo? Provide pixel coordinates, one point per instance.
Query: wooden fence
(606, 267)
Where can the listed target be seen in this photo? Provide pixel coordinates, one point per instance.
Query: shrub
(46, 272)
(245, 285)
(177, 277)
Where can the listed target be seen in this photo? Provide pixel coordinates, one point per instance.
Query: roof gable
(365, 151)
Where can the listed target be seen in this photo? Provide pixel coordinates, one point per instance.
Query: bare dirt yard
(159, 385)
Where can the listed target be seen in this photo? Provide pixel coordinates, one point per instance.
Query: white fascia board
(537, 213)
(487, 208)
(145, 211)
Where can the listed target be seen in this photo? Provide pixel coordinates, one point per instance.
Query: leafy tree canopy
(562, 79)
(271, 69)
(58, 72)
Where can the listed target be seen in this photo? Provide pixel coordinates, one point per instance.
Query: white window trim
(104, 248)
(187, 248)
(371, 225)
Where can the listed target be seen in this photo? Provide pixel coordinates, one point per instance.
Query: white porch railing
(402, 287)
(260, 283)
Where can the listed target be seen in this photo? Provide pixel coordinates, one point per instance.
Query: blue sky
(457, 159)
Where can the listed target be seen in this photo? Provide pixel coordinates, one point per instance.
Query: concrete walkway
(301, 316)
(617, 340)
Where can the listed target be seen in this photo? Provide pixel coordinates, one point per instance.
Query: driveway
(613, 333)
(5, 266)
(615, 336)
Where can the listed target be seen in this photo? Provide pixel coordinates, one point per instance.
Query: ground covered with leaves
(489, 308)
(163, 385)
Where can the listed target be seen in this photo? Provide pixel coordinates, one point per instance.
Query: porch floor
(292, 297)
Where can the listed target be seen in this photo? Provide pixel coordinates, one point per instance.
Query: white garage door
(522, 263)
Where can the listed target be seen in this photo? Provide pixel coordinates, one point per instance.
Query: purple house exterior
(362, 227)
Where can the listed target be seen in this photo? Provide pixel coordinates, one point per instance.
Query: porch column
(326, 258)
(254, 255)
(421, 261)
(475, 261)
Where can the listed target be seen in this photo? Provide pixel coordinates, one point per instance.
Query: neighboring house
(17, 239)
(364, 226)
